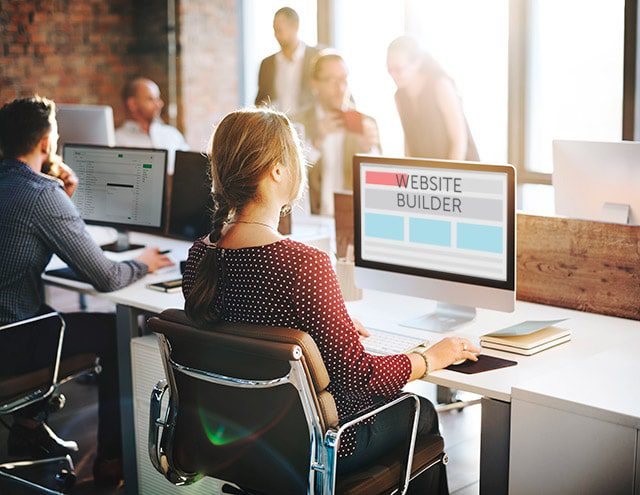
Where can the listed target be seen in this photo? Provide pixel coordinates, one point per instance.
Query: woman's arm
(451, 108)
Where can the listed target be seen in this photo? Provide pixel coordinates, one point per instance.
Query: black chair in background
(248, 405)
(30, 373)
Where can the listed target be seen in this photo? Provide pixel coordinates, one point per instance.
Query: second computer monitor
(119, 187)
(597, 180)
(85, 124)
(436, 229)
(191, 202)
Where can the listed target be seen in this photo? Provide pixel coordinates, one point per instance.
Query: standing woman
(245, 271)
(428, 104)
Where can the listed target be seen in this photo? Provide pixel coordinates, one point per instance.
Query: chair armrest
(155, 423)
(332, 440)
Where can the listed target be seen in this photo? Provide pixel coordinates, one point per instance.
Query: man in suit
(283, 80)
(334, 132)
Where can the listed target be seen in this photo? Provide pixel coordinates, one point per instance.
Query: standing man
(144, 128)
(283, 80)
(38, 220)
(334, 132)
(429, 106)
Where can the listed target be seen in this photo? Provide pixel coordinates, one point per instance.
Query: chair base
(65, 477)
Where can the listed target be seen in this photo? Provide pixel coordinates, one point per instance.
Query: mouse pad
(484, 363)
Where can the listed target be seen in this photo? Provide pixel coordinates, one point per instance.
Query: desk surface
(595, 339)
(603, 386)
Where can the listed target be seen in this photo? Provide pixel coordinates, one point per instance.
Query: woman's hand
(362, 332)
(450, 350)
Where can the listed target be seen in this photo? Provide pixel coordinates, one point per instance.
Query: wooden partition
(343, 211)
(579, 264)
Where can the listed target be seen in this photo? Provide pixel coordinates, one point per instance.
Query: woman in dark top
(245, 271)
(428, 104)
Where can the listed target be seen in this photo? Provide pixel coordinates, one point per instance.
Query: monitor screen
(119, 186)
(437, 219)
(191, 202)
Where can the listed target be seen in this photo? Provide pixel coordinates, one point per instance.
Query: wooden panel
(579, 264)
(343, 208)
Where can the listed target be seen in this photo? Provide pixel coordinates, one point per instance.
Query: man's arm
(264, 82)
(60, 227)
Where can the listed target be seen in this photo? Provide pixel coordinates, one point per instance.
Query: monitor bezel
(126, 226)
(508, 284)
(171, 193)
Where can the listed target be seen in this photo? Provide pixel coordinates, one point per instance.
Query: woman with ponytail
(245, 271)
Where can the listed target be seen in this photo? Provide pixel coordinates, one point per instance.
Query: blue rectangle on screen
(389, 227)
(480, 237)
(434, 232)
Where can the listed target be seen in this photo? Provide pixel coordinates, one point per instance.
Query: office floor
(77, 421)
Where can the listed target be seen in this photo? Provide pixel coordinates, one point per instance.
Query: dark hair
(23, 123)
(324, 56)
(244, 148)
(290, 14)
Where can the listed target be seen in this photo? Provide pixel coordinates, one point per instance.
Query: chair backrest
(248, 403)
(29, 360)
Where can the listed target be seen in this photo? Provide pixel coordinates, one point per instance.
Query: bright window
(575, 76)
(470, 39)
(363, 31)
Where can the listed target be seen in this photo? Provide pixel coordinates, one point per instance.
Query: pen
(164, 251)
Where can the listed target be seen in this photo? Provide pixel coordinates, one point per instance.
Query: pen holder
(345, 271)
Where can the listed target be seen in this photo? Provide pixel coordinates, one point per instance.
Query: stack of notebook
(527, 338)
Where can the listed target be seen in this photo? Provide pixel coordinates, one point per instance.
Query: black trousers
(390, 428)
(95, 333)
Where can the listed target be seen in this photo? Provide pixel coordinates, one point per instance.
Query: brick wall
(83, 51)
(208, 66)
(76, 51)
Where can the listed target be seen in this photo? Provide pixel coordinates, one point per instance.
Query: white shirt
(161, 136)
(288, 80)
(332, 152)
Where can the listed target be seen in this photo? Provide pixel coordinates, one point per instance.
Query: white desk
(593, 335)
(580, 426)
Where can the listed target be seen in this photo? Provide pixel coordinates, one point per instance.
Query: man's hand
(154, 259)
(332, 122)
(68, 178)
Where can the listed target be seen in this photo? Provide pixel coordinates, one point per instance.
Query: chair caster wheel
(65, 479)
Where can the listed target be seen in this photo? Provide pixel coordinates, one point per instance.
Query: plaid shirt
(37, 220)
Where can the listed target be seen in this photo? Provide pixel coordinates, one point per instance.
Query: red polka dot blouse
(290, 284)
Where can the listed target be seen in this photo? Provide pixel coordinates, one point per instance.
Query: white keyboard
(386, 343)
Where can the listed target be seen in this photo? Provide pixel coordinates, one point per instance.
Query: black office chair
(248, 405)
(30, 373)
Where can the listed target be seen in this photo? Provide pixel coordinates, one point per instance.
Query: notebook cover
(531, 340)
(484, 363)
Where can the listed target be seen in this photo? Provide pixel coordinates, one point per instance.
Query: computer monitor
(85, 124)
(436, 229)
(120, 187)
(597, 180)
(191, 202)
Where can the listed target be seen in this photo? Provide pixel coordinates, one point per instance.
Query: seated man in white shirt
(334, 132)
(144, 128)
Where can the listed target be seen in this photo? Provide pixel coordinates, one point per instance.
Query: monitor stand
(445, 318)
(122, 244)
